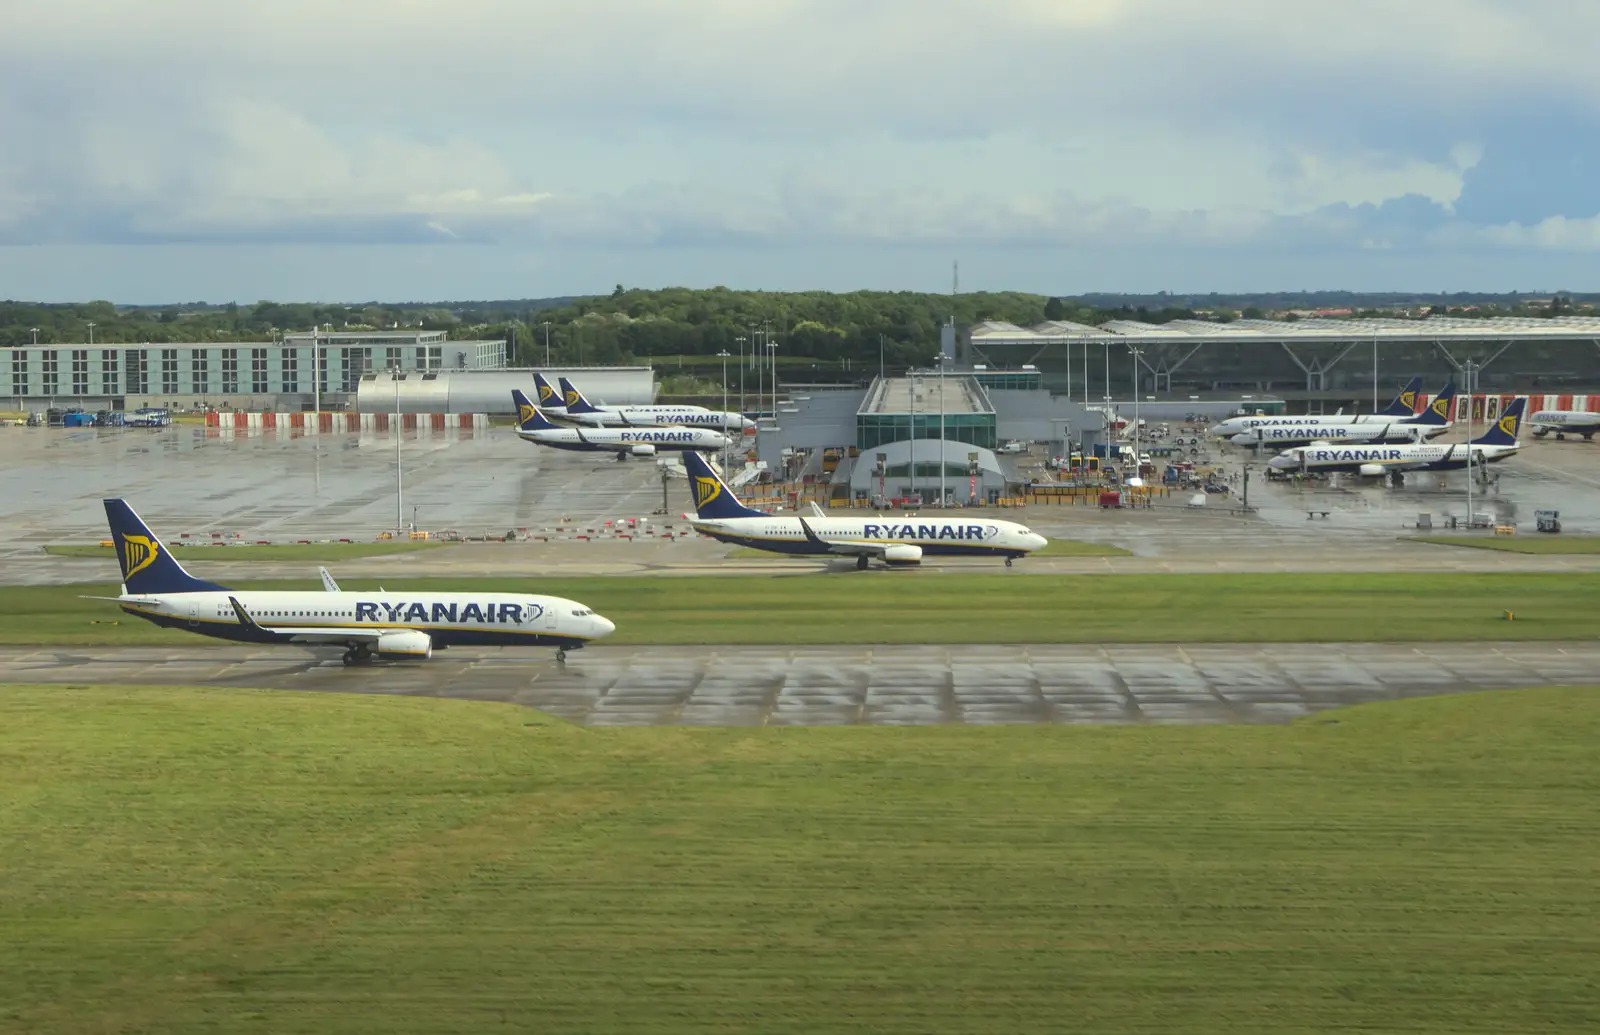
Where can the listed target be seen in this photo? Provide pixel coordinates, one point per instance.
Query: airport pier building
(282, 376)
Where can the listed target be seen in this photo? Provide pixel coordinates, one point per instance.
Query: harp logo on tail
(1508, 424)
(138, 553)
(572, 398)
(1441, 407)
(545, 392)
(525, 413)
(1408, 400)
(706, 490)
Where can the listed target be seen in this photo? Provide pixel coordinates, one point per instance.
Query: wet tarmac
(279, 487)
(914, 686)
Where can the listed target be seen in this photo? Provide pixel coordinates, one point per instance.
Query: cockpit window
(580, 614)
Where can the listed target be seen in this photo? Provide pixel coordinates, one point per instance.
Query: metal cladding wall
(489, 391)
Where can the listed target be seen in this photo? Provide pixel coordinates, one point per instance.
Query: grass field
(274, 552)
(926, 607)
(205, 860)
(1547, 544)
(1055, 548)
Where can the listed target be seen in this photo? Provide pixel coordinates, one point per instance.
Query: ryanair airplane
(580, 411)
(896, 540)
(1564, 423)
(1402, 408)
(625, 442)
(367, 625)
(1430, 423)
(1493, 446)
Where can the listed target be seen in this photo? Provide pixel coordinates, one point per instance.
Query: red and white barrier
(341, 423)
(1488, 407)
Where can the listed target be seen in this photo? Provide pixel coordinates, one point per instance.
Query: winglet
(244, 617)
(811, 537)
(327, 581)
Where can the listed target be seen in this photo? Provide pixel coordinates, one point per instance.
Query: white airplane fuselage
(634, 441)
(1236, 425)
(1564, 422)
(1376, 461)
(1305, 434)
(659, 416)
(933, 536)
(443, 619)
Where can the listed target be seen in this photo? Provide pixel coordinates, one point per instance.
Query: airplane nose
(603, 626)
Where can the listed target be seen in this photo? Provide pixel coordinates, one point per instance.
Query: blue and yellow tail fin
(148, 568)
(549, 398)
(575, 401)
(1440, 409)
(528, 416)
(1504, 430)
(713, 500)
(1404, 404)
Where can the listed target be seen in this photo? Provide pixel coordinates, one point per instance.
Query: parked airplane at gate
(1402, 408)
(367, 625)
(625, 442)
(895, 540)
(1564, 423)
(1493, 446)
(1430, 423)
(581, 411)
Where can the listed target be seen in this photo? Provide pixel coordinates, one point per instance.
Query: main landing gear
(1008, 562)
(358, 655)
(861, 563)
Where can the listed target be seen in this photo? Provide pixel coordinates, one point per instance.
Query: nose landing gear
(561, 655)
(1008, 562)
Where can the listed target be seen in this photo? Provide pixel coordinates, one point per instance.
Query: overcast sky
(155, 150)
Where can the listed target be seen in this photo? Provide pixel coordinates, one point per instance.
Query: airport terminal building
(265, 375)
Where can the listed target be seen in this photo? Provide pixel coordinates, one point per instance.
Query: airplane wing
(847, 549)
(812, 510)
(312, 634)
(327, 581)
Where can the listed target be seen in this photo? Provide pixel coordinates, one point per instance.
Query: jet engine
(404, 643)
(1372, 470)
(902, 553)
(643, 449)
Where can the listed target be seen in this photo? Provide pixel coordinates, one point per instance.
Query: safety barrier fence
(343, 423)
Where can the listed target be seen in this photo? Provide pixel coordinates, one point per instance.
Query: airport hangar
(362, 371)
(1311, 364)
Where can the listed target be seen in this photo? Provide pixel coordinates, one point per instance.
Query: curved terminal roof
(1312, 329)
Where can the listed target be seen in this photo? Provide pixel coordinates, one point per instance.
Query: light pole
(399, 495)
(741, 373)
(941, 428)
(35, 331)
(723, 355)
(1108, 401)
(1469, 373)
(316, 372)
(911, 379)
(772, 351)
(1374, 371)
(547, 345)
(1137, 353)
(91, 332)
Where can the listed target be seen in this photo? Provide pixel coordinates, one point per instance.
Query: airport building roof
(920, 393)
(1197, 331)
